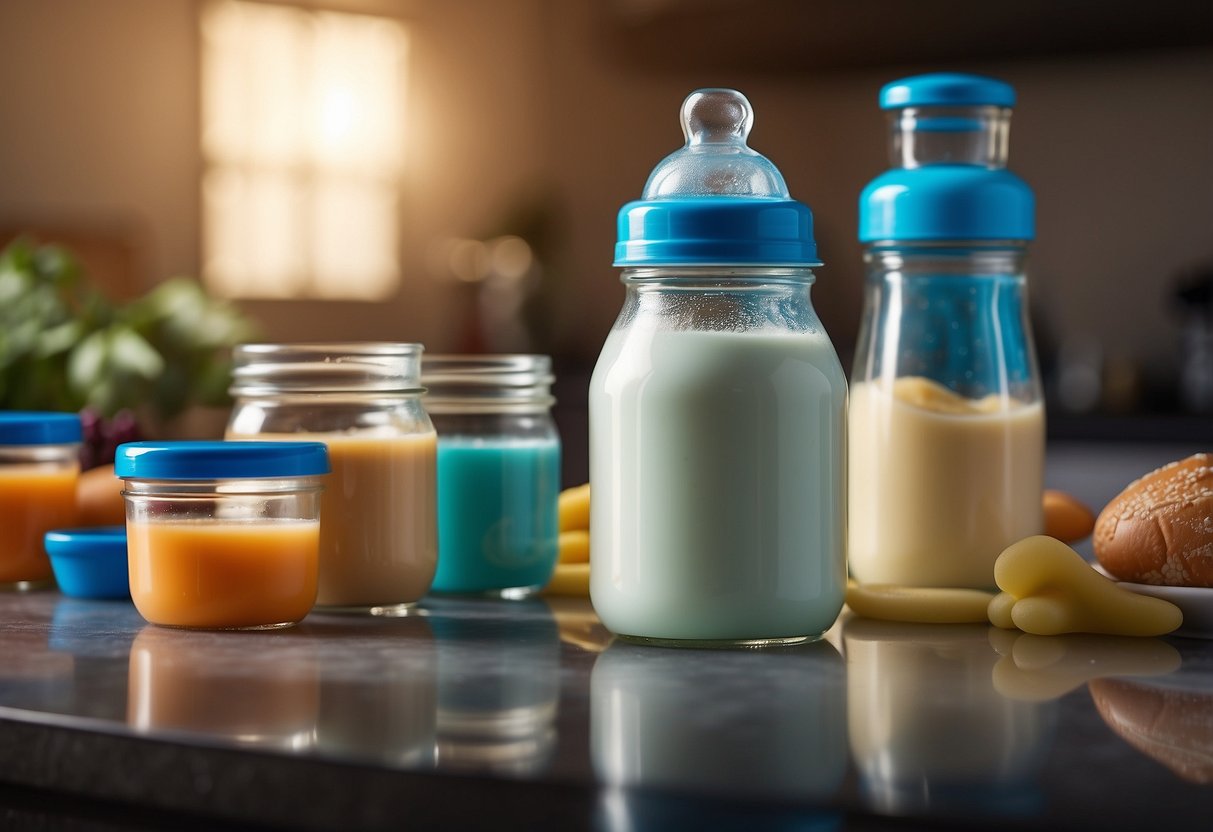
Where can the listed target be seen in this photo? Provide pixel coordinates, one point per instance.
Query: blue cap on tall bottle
(950, 137)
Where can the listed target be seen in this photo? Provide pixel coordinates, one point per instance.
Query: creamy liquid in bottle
(939, 484)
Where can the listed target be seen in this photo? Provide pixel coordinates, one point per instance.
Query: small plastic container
(39, 468)
(91, 562)
(498, 472)
(223, 535)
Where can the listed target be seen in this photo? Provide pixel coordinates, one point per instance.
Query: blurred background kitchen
(448, 171)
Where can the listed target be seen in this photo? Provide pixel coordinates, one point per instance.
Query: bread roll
(1159, 530)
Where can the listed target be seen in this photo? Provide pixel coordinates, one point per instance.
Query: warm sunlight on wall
(302, 134)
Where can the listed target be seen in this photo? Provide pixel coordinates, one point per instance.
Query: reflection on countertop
(1168, 718)
(928, 728)
(498, 683)
(915, 721)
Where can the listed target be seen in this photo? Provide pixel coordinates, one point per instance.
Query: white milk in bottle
(717, 407)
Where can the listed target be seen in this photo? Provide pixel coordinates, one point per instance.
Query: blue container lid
(90, 562)
(953, 201)
(716, 231)
(34, 427)
(715, 201)
(220, 460)
(946, 89)
(947, 202)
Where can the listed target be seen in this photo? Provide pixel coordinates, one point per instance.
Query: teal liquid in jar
(498, 472)
(717, 408)
(497, 523)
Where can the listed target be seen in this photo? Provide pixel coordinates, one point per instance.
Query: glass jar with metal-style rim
(498, 472)
(378, 532)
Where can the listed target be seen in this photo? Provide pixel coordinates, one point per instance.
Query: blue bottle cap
(716, 202)
(947, 202)
(220, 460)
(34, 427)
(952, 201)
(946, 89)
(89, 562)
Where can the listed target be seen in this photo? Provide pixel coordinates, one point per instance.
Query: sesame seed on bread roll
(1159, 530)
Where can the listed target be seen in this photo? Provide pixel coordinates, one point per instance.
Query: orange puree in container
(33, 500)
(215, 574)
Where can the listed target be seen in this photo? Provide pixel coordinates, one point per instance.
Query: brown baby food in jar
(378, 528)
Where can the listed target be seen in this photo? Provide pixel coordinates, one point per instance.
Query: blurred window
(302, 131)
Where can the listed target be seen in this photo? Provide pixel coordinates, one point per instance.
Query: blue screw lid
(35, 427)
(715, 201)
(954, 200)
(220, 460)
(946, 89)
(947, 202)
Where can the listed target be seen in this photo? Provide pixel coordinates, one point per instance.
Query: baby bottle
(717, 426)
(946, 423)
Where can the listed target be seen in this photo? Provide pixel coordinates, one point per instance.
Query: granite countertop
(526, 715)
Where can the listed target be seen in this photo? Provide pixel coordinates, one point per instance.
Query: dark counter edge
(56, 776)
(142, 777)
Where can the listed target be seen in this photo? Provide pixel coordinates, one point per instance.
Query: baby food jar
(498, 472)
(39, 466)
(378, 539)
(222, 535)
(717, 407)
(947, 424)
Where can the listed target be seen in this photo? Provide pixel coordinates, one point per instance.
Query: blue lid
(946, 89)
(34, 427)
(715, 201)
(947, 202)
(220, 460)
(86, 542)
(89, 562)
(962, 201)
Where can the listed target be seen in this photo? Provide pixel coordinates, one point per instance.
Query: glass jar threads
(378, 538)
(222, 535)
(39, 466)
(498, 472)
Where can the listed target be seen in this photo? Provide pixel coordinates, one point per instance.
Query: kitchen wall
(101, 141)
(100, 134)
(1119, 148)
(523, 117)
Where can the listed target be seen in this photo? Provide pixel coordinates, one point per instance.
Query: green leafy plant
(65, 346)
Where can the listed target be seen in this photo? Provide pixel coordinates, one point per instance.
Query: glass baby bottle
(717, 407)
(946, 421)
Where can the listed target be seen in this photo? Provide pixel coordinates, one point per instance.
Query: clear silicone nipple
(716, 160)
